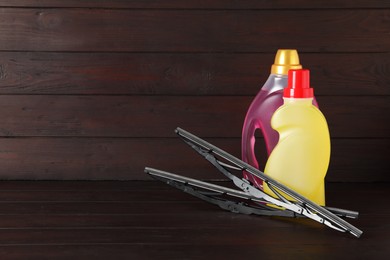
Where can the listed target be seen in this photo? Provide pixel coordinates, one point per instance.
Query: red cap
(298, 84)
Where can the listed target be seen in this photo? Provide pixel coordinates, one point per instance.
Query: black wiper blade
(301, 205)
(218, 195)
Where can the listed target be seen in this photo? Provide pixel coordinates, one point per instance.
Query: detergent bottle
(263, 107)
(300, 160)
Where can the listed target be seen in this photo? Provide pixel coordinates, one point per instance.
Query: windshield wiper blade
(230, 199)
(300, 205)
(226, 198)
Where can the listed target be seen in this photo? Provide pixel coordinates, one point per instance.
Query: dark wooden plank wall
(94, 89)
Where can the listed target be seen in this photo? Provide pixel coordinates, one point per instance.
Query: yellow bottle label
(300, 160)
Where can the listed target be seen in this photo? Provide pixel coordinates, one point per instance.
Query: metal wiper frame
(230, 199)
(264, 203)
(226, 198)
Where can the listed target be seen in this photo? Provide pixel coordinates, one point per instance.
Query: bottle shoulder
(296, 115)
(302, 111)
(274, 83)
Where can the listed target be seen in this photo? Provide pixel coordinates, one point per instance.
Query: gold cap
(285, 60)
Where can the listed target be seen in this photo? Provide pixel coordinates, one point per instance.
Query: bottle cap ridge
(298, 84)
(285, 59)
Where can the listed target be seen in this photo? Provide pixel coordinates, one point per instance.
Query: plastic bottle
(263, 107)
(301, 158)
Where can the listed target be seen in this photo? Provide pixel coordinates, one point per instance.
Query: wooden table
(150, 220)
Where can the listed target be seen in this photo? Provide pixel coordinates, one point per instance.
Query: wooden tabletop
(150, 220)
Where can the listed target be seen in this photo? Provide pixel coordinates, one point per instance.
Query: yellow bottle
(300, 160)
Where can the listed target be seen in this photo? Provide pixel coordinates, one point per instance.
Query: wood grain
(125, 158)
(170, 224)
(193, 31)
(93, 89)
(88, 88)
(193, 4)
(158, 116)
(184, 73)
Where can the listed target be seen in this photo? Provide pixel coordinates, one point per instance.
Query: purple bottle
(263, 107)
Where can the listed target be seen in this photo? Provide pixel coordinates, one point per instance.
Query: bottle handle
(248, 151)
